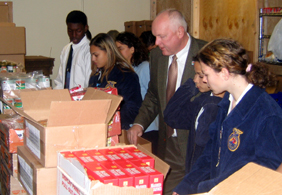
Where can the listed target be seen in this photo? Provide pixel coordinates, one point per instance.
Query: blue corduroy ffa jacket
(128, 86)
(252, 132)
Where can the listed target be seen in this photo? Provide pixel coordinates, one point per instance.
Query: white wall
(46, 31)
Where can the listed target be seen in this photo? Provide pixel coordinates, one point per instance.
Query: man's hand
(174, 193)
(134, 132)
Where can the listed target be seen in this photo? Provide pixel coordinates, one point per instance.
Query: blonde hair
(107, 44)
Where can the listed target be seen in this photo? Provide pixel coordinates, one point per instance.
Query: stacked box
(107, 167)
(11, 137)
(53, 123)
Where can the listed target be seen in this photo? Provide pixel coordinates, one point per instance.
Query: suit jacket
(155, 99)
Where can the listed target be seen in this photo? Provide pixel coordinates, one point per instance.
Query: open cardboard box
(40, 180)
(251, 179)
(71, 124)
(72, 178)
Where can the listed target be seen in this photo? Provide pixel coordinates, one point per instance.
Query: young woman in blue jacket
(110, 69)
(248, 124)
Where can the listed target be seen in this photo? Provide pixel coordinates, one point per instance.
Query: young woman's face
(198, 78)
(125, 50)
(98, 57)
(214, 79)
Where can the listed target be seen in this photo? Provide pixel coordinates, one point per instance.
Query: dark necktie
(171, 85)
(68, 69)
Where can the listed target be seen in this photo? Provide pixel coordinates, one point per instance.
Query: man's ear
(180, 31)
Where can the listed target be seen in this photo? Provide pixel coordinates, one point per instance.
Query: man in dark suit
(169, 27)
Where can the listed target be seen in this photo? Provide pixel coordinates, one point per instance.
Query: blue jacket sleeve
(179, 110)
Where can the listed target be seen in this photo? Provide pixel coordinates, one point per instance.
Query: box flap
(69, 113)
(17, 110)
(37, 103)
(251, 179)
(95, 94)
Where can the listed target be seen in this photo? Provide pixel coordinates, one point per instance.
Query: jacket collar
(245, 104)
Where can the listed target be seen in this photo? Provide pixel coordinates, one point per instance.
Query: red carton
(96, 155)
(109, 154)
(96, 172)
(141, 180)
(142, 156)
(124, 179)
(156, 178)
(123, 153)
(83, 157)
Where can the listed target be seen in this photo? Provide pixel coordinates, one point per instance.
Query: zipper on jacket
(219, 150)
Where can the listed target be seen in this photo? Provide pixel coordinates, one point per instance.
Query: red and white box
(96, 172)
(123, 153)
(142, 156)
(83, 157)
(97, 156)
(124, 179)
(141, 180)
(156, 178)
(109, 154)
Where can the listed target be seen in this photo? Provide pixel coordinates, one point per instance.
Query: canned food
(10, 68)
(20, 83)
(10, 101)
(18, 102)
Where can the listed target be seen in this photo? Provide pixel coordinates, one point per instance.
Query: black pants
(153, 137)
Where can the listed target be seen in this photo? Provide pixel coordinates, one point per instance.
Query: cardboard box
(72, 178)
(10, 161)
(12, 40)
(71, 124)
(14, 187)
(17, 58)
(35, 178)
(6, 11)
(251, 179)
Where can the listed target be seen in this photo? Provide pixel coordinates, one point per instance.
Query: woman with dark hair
(248, 123)
(135, 52)
(75, 67)
(110, 68)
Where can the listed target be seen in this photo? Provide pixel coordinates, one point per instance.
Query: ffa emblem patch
(111, 84)
(234, 140)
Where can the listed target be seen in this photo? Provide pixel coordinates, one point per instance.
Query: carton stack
(53, 123)
(12, 38)
(11, 136)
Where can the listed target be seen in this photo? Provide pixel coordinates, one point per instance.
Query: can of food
(20, 83)
(18, 103)
(3, 68)
(10, 68)
(43, 82)
(10, 101)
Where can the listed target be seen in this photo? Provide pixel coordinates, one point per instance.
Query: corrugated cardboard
(251, 179)
(72, 178)
(12, 40)
(71, 124)
(6, 11)
(17, 58)
(35, 178)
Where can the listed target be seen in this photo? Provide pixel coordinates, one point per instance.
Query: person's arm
(150, 105)
(179, 111)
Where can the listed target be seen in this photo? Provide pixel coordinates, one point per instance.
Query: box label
(26, 175)
(33, 138)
